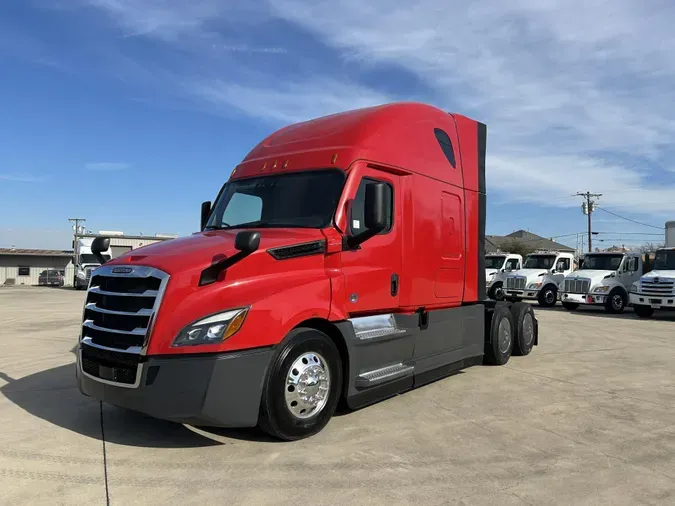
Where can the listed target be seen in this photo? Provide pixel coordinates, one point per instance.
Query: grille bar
(140, 312)
(147, 293)
(136, 332)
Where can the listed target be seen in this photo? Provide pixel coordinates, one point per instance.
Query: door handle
(394, 285)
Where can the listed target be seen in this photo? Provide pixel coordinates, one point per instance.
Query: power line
(628, 233)
(628, 219)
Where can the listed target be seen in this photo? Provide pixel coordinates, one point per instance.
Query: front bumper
(583, 298)
(522, 294)
(654, 301)
(220, 390)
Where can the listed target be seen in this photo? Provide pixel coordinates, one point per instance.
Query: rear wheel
(548, 296)
(643, 311)
(525, 329)
(497, 292)
(616, 302)
(499, 347)
(302, 387)
(571, 306)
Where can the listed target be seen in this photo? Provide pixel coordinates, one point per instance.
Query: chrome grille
(120, 307)
(577, 286)
(663, 288)
(515, 283)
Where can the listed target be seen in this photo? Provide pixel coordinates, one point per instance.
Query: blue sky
(129, 113)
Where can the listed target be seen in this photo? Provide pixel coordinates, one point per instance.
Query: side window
(446, 145)
(356, 216)
(24, 271)
(631, 264)
(242, 208)
(512, 264)
(563, 263)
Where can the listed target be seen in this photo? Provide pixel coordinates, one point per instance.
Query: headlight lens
(533, 286)
(601, 289)
(635, 287)
(212, 329)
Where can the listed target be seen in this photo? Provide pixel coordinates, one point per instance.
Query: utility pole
(76, 229)
(588, 206)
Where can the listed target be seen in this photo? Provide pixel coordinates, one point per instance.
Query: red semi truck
(342, 261)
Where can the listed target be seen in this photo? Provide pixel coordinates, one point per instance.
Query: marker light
(212, 329)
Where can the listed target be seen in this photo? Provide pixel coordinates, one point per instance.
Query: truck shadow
(52, 395)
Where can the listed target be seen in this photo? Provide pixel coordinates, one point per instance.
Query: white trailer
(603, 279)
(497, 266)
(539, 278)
(85, 262)
(656, 289)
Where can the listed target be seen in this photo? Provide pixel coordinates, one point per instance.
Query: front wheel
(548, 296)
(615, 303)
(497, 292)
(302, 387)
(643, 311)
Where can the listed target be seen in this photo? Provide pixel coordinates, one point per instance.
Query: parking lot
(587, 418)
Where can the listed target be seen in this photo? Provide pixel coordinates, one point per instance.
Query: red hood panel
(177, 255)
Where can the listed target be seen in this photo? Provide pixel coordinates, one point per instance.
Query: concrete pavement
(587, 418)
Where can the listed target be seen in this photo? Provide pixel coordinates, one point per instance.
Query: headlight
(80, 274)
(488, 282)
(533, 286)
(601, 289)
(212, 329)
(635, 287)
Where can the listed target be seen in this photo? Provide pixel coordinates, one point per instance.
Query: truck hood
(204, 248)
(662, 275)
(595, 276)
(490, 272)
(530, 274)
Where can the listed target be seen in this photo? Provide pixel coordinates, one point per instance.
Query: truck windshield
(302, 199)
(539, 262)
(602, 262)
(494, 262)
(88, 258)
(664, 260)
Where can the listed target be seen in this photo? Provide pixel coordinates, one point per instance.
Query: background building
(20, 266)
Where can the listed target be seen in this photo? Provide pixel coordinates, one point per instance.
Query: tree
(649, 247)
(517, 247)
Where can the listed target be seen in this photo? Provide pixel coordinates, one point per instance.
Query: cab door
(630, 271)
(372, 271)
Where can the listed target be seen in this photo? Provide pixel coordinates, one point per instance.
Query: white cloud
(558, 83)
(22, 178)
(107, 166)
(289, 102)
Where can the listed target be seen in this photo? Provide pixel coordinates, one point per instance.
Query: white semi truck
(540, 276)
(603, 279)
(497, 266)
(85, 261)
(656, 289)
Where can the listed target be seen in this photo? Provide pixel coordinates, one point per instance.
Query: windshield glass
(664, 260)
(494, 262)
(602, 262)
(539, 262)
(304, 200)
(88, 258)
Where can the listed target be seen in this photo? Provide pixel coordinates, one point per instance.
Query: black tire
(616, 302)
(497, 292)
(498, 352)
(276, 417)
(548, 296)
(643, 311)
(513, 299)
(525, 328)
(570, 306)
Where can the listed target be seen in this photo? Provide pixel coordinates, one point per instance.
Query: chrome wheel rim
(617, 301)
(549, 296)
(528, 329)
(307, 385)
(499, 293)
(504, 335)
